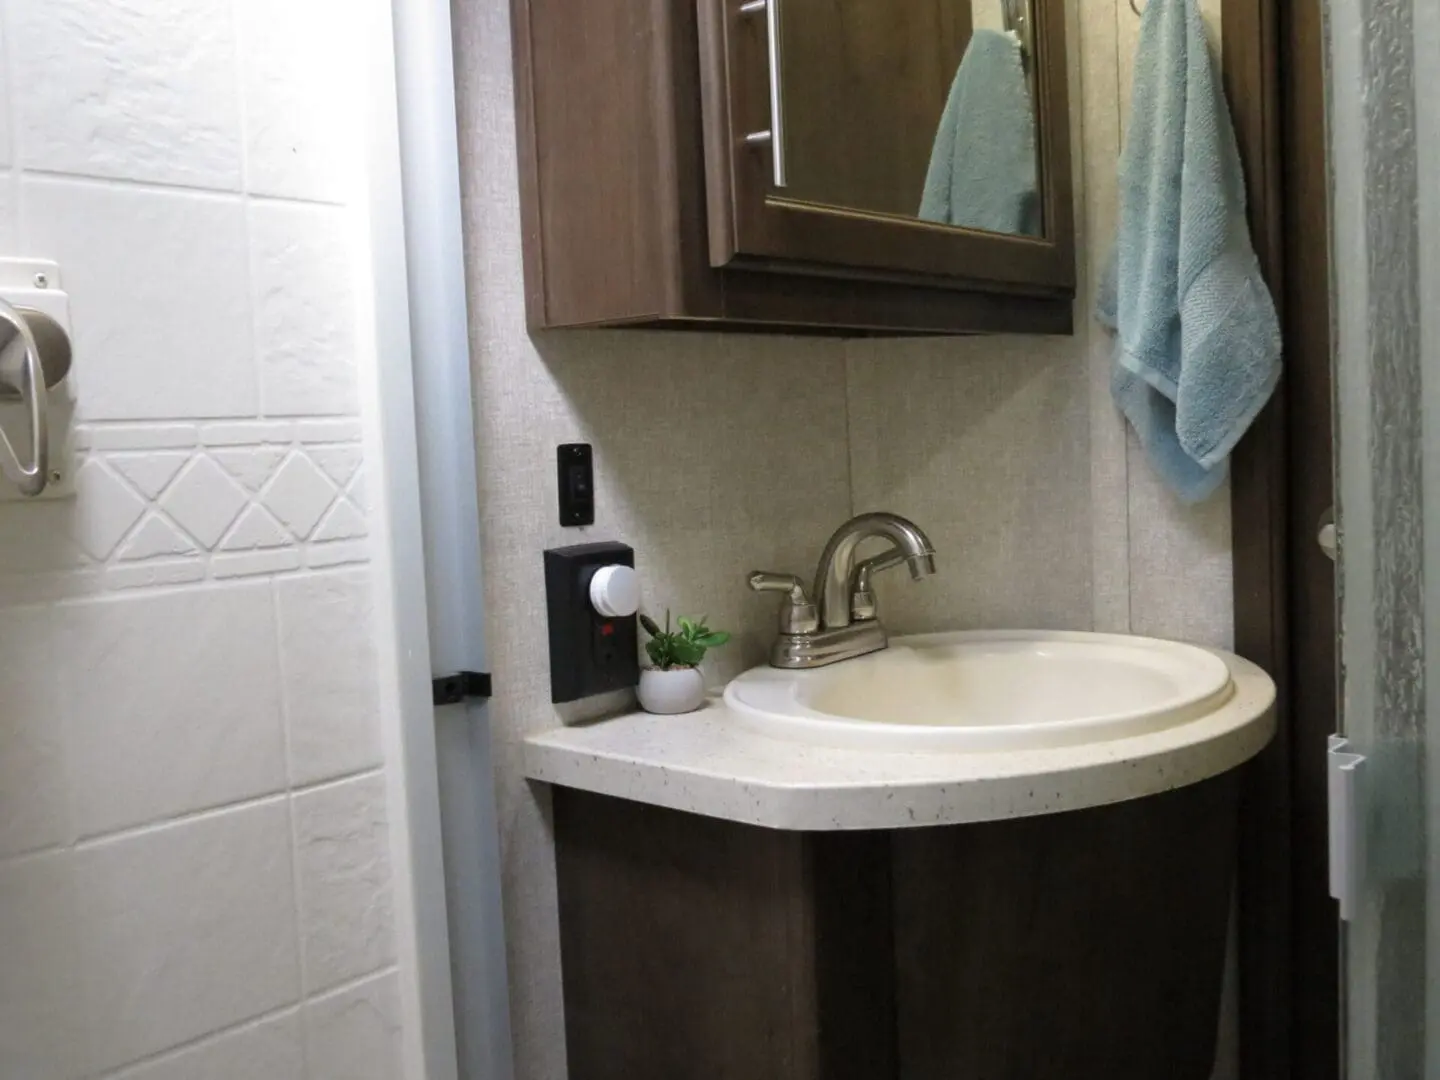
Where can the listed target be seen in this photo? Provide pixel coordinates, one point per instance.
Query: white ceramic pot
(667, 693)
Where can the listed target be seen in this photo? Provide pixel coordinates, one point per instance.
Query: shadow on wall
(717, 455)
(714, 456)
(985, 443)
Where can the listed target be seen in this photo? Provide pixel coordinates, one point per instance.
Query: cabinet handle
(28, 384)
(775, 136)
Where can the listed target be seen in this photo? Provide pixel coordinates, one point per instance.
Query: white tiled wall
(194, 872)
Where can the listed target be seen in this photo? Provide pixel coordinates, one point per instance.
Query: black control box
(589, 653)
(575, 481)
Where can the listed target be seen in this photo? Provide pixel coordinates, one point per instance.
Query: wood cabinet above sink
(773, 165)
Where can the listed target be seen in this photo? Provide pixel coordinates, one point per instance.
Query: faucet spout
(921, 566)
(833, 582)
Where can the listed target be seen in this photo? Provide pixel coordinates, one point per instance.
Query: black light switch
(575, 479)
(592, 651)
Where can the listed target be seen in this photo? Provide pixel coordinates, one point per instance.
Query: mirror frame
(754, 226)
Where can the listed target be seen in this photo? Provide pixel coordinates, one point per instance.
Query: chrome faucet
(842, 622)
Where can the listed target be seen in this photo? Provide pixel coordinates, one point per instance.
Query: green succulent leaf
(687, 653)
(685, 647)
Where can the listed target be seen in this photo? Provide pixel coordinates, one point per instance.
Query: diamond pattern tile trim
(255, 530)
(339, 463)
(150, 473)
(344, 522)
(106, 509)
(156, 538)
(299, 495)
(204, 501)
(180, 511)
(252, 465)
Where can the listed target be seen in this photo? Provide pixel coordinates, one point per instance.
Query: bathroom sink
(987, 691)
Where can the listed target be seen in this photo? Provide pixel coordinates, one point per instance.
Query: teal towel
(982, 170)
(1198, 349)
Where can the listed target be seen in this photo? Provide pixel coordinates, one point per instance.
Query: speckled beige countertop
(705, 763)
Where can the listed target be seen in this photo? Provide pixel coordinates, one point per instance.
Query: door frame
(1288, 927)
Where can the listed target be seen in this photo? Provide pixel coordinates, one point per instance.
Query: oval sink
(987, 691)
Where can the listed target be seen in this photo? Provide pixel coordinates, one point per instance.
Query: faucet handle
(798, 614)
(765, 581)
(862, 593)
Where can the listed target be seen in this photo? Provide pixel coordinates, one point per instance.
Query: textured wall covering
(1007, 450)
(194, 868)
(707, 478)
(1179, 557)
(715, 455)
(984, 442)
(1010, 453)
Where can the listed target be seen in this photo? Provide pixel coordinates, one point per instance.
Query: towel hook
(34, 356)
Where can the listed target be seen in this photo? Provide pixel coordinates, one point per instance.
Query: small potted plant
(674, 684)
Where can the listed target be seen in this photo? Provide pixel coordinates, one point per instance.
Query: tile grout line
(251, 277)
(297, 906)
(295, 1007)
(164, 187)
(131, 832)
(98, 573)
(200, 422)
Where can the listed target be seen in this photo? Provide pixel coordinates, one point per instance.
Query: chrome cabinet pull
(43, 362)
(775, 136)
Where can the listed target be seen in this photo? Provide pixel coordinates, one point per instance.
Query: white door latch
(1347, 825)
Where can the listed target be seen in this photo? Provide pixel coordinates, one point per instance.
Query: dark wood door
(1315, 971)
(1284, 586)
(1086, 945)
(857, 171)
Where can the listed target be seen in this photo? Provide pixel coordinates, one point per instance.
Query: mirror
(923, 109)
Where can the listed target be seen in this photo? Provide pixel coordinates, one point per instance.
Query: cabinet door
(919, 140)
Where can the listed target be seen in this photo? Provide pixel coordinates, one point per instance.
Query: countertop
(706, 763)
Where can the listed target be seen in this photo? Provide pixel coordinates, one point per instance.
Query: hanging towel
(982, 170)
(1198, 342)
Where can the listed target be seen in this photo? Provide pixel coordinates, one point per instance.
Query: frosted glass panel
(1387, 249)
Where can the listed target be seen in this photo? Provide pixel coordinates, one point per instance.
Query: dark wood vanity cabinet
(760, 165)
(1087, 945)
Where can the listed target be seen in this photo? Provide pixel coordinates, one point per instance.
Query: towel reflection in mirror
(983, 171)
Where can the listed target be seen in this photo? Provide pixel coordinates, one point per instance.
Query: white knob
(615, 592)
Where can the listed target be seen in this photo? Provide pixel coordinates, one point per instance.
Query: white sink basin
(987, 691)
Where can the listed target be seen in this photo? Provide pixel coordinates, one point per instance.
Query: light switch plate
(36, 283)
